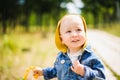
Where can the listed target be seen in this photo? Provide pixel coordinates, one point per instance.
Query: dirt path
(107, 47)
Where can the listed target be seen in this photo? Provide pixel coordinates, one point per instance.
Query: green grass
(22, 50)
(113, 28)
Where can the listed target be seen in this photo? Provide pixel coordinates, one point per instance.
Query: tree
(106, 8)
(48, 7)
(12, 11)
(9, 11)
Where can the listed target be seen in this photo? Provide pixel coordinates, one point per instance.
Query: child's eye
(68, 31)
(78, 29)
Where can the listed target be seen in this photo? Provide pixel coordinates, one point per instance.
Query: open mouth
(75, 40)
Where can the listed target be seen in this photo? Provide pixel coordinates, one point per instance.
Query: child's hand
(78, 68)
(37, 71)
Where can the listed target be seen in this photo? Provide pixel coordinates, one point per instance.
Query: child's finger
(36, 74)
(75, 63)
(72, 68)
(37, 71)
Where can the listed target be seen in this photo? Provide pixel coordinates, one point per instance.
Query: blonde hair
(62, 47)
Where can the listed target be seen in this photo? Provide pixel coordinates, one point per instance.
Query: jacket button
(62, 61)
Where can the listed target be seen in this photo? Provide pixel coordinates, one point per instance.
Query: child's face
(72, 32)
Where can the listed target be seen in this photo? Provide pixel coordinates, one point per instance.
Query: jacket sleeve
(96, 72)
(49, 73)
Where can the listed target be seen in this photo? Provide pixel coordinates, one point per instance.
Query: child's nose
(74, 33)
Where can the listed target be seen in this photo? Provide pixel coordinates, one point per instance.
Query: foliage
(113, 28)
(9, 44)
(102, 9)
(9, 11)
(13, 12)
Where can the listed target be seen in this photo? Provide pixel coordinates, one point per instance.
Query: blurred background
(27, 33)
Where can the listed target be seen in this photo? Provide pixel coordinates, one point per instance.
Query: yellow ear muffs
(58, 41)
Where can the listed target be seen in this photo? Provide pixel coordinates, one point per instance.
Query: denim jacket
(94, 69)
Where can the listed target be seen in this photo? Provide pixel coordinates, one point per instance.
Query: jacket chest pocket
(63, 65)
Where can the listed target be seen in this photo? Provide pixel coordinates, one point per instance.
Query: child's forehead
(70, 19)
(71, 16)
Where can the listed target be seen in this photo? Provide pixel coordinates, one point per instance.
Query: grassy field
(113, 28)
(20, 51)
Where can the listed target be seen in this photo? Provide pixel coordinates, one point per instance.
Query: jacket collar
(88, 48)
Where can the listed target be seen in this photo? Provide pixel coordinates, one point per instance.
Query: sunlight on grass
(113, 28)
(20, 51)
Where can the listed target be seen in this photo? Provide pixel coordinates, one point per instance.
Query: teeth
(75, 41)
